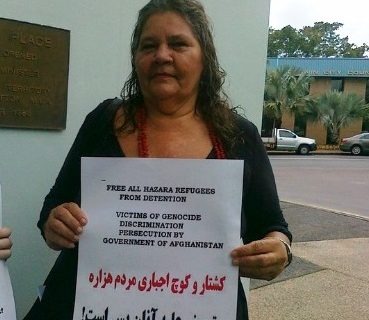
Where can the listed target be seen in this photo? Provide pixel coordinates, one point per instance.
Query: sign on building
(34, 64)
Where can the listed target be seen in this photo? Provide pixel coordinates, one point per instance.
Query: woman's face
(169, 59)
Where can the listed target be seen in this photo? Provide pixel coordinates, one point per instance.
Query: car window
(365, 136)
(286, 134)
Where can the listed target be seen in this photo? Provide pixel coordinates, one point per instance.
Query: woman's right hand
(64, 226)
(5, 243)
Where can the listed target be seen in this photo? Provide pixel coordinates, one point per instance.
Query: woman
(5, 243)
(173, 107)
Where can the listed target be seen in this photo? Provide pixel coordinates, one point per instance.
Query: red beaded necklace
(143, 147)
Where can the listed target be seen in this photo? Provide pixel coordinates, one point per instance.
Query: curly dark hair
(212, 102)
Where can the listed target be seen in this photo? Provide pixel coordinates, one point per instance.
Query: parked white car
(286, 140)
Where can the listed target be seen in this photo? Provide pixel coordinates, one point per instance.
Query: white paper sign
(158, 239)
(7, 306)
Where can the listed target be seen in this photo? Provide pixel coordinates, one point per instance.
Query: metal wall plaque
(34, 65)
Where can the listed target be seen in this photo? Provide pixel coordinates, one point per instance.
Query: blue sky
(354, 14)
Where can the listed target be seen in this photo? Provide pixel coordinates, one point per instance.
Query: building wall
(316, 131)
(351, 130)
(319, 86)
(357, 86)
(99, 64)
(288, 121)
(322, 85)
(354, 72)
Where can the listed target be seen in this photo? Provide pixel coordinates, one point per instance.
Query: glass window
(365, 136)
(300, 125)
(337, 85)
(365, 126)
(286, 134)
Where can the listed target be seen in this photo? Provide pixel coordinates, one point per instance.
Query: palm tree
(286, 90)
(365, 112)
(335, 110)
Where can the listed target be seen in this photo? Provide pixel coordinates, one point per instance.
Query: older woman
(173, 106)
(5, 243)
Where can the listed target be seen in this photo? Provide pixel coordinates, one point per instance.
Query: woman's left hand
(262, 259)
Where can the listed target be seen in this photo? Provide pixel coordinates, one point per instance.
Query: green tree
(286, 90)
(319, 40)
(365, 125)
(286, 42)
(365, 112)
(335, 110)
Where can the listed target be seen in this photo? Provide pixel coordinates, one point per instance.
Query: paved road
(328, 278)
(338, 183)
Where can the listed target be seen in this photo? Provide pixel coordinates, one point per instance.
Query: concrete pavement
(329, 276)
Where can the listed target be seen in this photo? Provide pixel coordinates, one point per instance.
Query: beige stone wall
(352, 129)
(316, 131)
(322, 85)
(357, 86)
(319, 86)
(288, 121)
